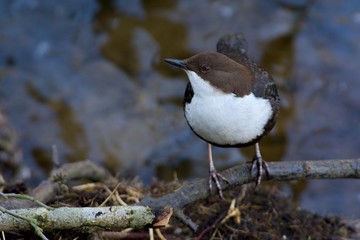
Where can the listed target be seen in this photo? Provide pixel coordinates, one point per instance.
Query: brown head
(219, 70)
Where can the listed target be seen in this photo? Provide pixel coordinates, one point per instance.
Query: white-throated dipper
(230, 101)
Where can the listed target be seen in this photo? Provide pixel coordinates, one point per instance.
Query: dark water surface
(88, 77)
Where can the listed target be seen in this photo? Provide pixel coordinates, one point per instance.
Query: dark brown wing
(268, 90)
(234, 46)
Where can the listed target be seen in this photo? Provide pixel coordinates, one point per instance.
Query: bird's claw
(214, 176)
(260, 164)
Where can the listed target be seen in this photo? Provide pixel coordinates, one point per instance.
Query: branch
(83, 219)
(238, 175)
(158, 210)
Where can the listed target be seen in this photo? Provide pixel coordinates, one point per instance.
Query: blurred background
(87, 76)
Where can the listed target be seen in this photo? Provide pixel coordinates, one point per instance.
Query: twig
(186, 220)
(26, 197)
(55, 157)
(159, 234)
(110, 195)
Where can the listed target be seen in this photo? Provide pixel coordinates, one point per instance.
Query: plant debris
(246, 213)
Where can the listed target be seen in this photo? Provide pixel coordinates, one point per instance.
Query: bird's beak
(175, 62)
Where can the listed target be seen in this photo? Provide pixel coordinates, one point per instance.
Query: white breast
(225, 119)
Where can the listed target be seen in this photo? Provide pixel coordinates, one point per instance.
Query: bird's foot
(261, 165)
(215, 176)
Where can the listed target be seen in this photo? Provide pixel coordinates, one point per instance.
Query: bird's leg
(260, 163)
(214, 175)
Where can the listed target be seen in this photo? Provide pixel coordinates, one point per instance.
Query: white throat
(222, 118)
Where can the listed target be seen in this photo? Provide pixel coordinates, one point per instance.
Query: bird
(229, 101)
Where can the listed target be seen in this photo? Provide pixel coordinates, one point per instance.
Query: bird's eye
(204, 68)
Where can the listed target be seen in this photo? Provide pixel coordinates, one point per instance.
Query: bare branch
(238, 175)
(81, 219)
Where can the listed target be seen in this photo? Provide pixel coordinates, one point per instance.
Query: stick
(238, 175)
(81, 219)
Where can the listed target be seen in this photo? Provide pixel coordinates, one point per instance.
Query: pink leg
(260, 163)
(214, 175)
